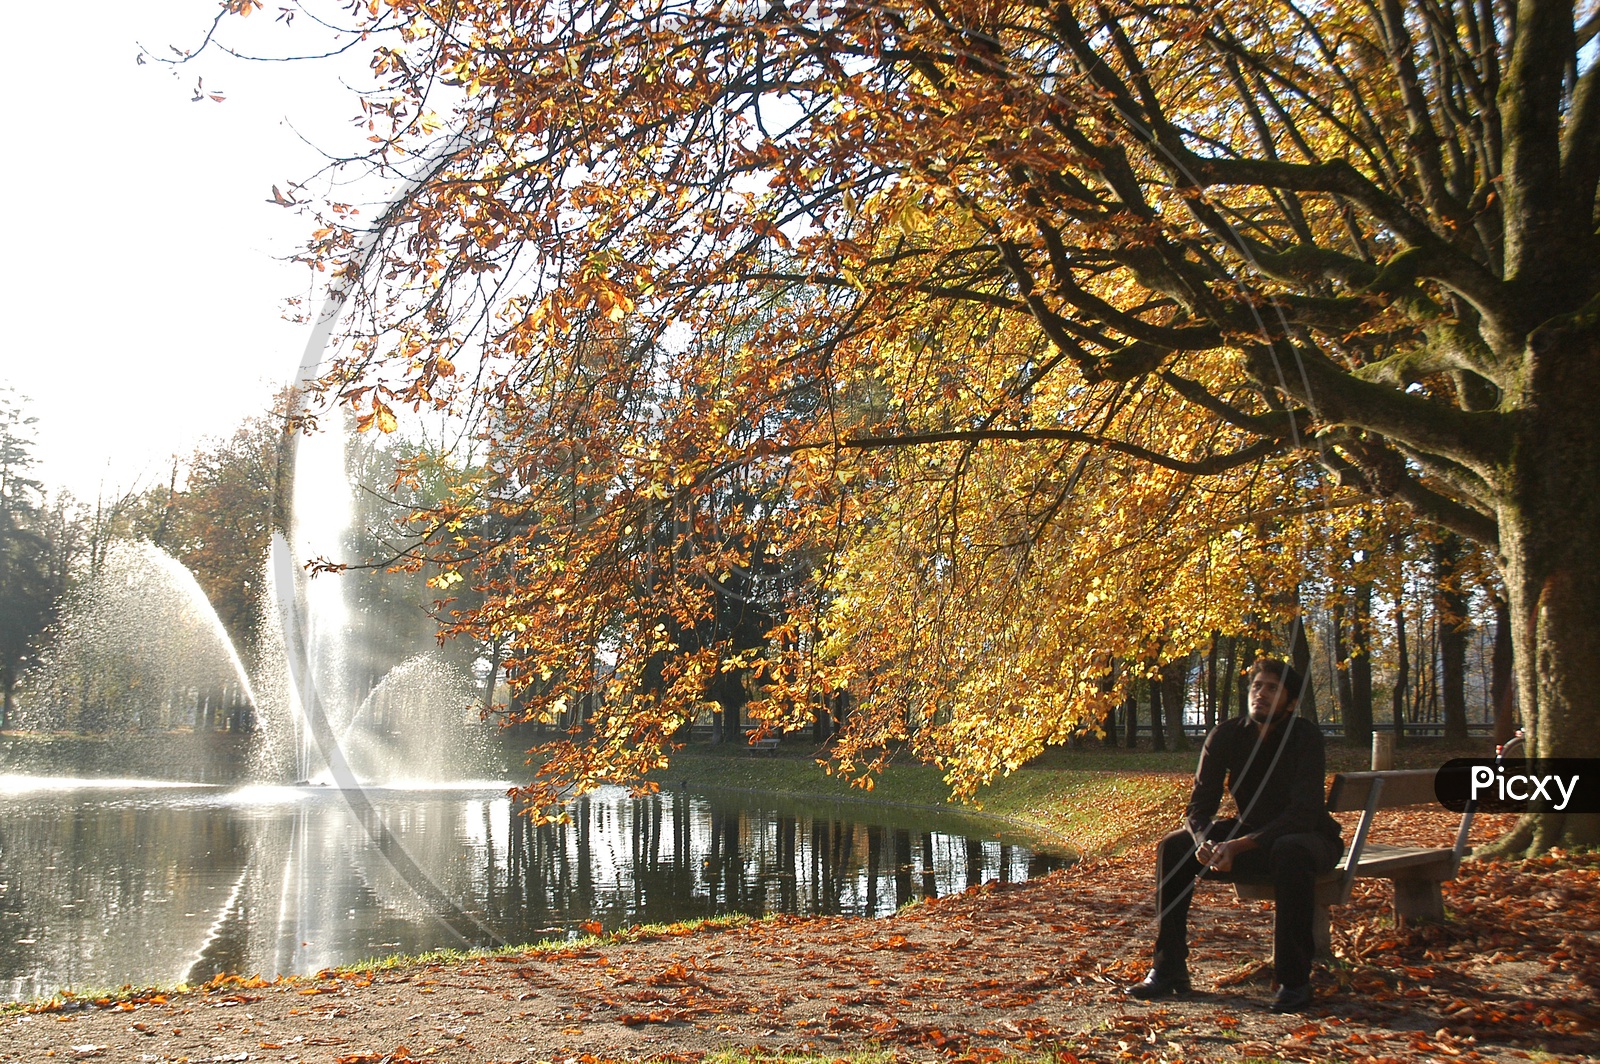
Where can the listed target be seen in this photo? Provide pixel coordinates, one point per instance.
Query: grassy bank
(1092, 802)
(1095, 800)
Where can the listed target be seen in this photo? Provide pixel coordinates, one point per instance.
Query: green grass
(96, 997)
(1096, 800)
(632, 933)
(101, 998)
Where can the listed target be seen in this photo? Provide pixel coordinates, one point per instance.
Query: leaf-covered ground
(1030, 970)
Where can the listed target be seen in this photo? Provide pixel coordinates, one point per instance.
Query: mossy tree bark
(1550, 551)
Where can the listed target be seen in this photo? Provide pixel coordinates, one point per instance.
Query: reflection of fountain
(100, 886)
(140, 649)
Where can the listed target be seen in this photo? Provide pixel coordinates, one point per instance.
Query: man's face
(1268, 698)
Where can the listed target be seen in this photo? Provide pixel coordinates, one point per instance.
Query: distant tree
(1174, 689)
(392, 588)
(219, 521)
(1300, 658)
(1502, 697)
(1451, 605)
(30, 588)
(1158, 713)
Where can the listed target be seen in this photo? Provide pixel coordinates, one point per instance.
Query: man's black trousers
(1291, 862)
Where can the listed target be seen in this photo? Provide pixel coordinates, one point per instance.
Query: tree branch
(1531, 116)
(1279, 425)
(1205, 466)
(1432, 505)
(1435, 259)
(1475, 439)
(1580, 149)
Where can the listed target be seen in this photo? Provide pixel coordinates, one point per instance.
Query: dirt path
(991, 972)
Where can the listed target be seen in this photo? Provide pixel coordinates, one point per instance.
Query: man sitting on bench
(1273, 764)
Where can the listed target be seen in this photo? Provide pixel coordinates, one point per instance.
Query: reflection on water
(106, 885)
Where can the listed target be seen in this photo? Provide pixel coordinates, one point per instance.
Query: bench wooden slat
(1407, 864)
(1376, 850)
(1401, 787)
(1329, 890)
(1377, 862)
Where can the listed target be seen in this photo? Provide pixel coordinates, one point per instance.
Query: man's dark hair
(1291, 680)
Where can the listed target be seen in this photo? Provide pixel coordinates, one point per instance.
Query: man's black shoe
(1292, 998)
(1158, 984)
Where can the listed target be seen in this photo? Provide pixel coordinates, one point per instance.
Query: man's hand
(1218, 856)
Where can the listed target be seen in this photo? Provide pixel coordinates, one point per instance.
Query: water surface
(111, 882)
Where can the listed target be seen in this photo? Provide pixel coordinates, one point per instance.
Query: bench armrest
(1353, 860)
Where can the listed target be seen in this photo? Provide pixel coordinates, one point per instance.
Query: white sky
(143, 300)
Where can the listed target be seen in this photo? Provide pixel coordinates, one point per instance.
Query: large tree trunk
(1550, 546)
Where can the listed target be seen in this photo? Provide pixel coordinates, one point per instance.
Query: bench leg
(1418, 901)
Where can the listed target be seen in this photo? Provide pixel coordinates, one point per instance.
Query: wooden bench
(762, 746)
(1416, 871)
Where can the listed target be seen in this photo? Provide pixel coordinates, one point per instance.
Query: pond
(105, 882)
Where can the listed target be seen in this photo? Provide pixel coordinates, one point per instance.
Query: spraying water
(140, 649)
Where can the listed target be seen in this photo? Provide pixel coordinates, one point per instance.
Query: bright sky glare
(146, 289)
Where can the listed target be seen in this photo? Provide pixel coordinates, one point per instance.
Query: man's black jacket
(1276, 781)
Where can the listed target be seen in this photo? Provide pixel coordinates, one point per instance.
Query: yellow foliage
(953, 367)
